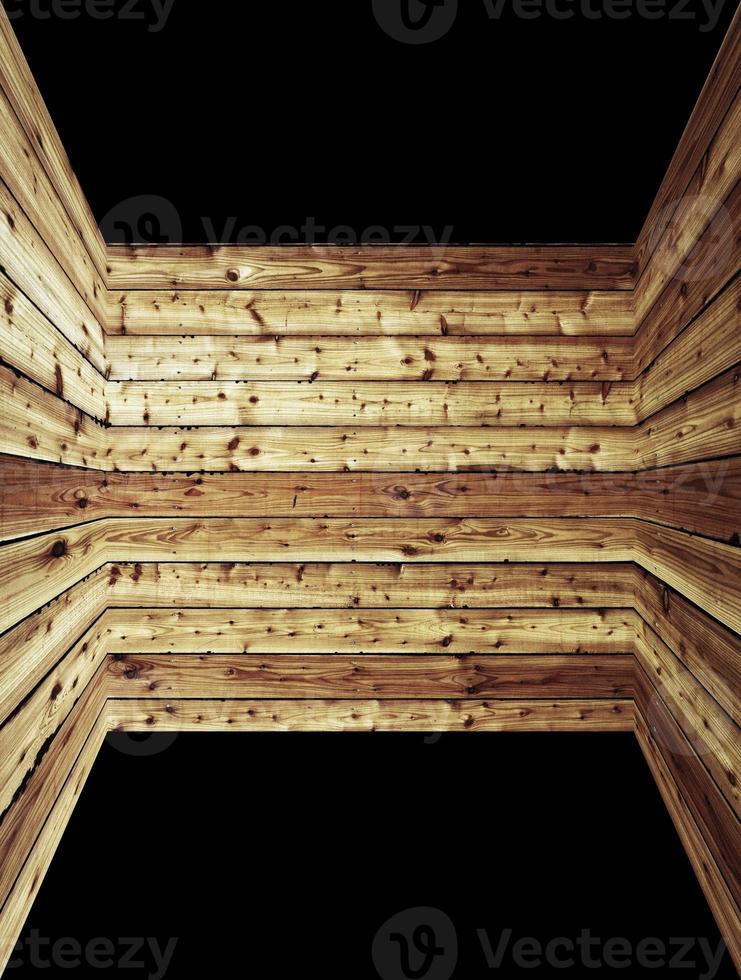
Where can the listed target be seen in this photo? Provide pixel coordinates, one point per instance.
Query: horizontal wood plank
(372, 676)
(337, 358)
(442, 267)
(370, 715)
(342, 631)
(427, 403)
(347, 313)
(700, 497)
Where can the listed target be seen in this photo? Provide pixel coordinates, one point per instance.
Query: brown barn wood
(704, 497)
(310, 488)
(370, 358)
(442, 267)
(368, 313)
(370, 714)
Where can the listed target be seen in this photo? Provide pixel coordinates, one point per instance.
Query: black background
(280, 856)
(271, 113)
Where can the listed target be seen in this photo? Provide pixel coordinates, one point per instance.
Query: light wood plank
(38, 425)
(32, 345)
(409, 311)
(337, 358)
(548, 677)
(700, 204)
(370, 267)
(718, 93)
(342, 631)
(33, 268)
(428, 403)
(371, 715)
(31, 187)
(367, 586)
(22, 91)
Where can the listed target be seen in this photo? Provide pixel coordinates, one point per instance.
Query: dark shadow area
(527, 121)
(286, 855)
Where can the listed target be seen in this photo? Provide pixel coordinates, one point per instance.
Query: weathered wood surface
(712, 733)
(369, 586)
(371, 403)
(32, 828)
(33, 346)
(33, 268)
(718, 93)
(342, 631)
(21, 90)
(703, 497)
(29, 651)
(701, 857)
(356, 312)
(338, 358)
(370, 715)
(700, 205)
(372, 676)
(709, 650)
(443, 267)
(32, 188)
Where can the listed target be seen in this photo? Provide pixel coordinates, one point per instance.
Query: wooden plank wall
(476, 489)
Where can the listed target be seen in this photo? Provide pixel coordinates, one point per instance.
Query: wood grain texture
(710, 651)
(32, 188)
(21, 90)
(718, 93)
(685, 297)
(703, 497)
(33, 268)
(338, 358)
(711, 732)
(356, 312)
(285, 676)
(342, 631)
(372, 403)
(368, 586)
(370, 267)
(700, 205)
(30, 650)
(33, 346)
(31, 830)
(35, 424)
(35, 723)
(370, 715)
(703, 827)
(34, 571)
